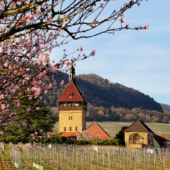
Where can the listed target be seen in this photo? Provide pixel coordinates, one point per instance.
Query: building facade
(72, 108)
(139, 135)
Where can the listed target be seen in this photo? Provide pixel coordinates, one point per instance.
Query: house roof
(69, 134)
(138, 126)
(71, 89)
(96, 130)
(161, 141)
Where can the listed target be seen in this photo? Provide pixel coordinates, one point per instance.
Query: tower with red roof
(72, 108)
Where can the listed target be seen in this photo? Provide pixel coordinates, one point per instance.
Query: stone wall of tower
(77, 120)
(84, 120)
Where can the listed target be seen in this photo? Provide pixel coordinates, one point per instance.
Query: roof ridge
(90, 125)
(102, 129)
(71, 86)
(63, 90)
(94, 122)
(145, 126)
(130, 125)
(78, 91)
(139, 123)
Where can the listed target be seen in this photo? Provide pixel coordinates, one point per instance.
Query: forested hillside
(165, 107)
(112, 101)
(99, 92)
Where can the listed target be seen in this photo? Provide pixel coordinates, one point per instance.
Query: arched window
(131, 140)
(135, 138)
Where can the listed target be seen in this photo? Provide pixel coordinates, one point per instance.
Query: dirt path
(6, 164)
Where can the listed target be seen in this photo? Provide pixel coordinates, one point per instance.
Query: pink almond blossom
(44, 57)
(37, 108)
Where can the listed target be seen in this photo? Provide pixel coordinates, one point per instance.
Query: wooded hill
(100, 92)
(165, 107)
(111, 101)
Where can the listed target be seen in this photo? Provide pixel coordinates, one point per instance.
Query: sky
(136, 59)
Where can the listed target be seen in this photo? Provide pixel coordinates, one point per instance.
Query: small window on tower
(64, 129)
(76, 128)
(70, 118)
(70, 128)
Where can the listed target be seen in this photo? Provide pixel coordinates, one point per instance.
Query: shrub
(59, 140)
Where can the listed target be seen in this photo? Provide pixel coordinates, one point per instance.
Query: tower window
(70, 118)
(70, 128)
(76, 128)
(68, 104)
(64, 129)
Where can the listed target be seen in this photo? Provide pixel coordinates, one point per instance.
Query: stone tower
(72, 107)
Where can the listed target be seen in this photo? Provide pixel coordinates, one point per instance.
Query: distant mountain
(100, 92)
(165, 107)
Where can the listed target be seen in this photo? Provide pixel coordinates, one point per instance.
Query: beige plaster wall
(77, 120)
(143, 134)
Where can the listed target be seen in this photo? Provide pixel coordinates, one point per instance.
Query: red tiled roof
(96, 130)
(69, 134)
(138, 126)
(71, 89)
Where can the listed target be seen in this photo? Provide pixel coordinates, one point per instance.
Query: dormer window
(70, 95)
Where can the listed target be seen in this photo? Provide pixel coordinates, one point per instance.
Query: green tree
(38, 118)
(121, 136)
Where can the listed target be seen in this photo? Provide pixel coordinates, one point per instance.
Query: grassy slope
(113, 127)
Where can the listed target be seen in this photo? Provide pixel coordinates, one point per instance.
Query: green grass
(6, 156)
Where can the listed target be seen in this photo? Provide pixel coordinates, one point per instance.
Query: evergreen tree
(121, 136)
(41, 120)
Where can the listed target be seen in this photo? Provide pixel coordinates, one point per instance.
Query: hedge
(59, 140)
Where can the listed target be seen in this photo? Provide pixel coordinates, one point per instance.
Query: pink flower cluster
(36, 91)
(92, 53)
(144, 27)
(44, 57)
(122, 18)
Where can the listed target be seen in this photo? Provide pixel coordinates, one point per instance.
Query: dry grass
(113, 127)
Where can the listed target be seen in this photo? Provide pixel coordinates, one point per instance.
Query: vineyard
(87, 157)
